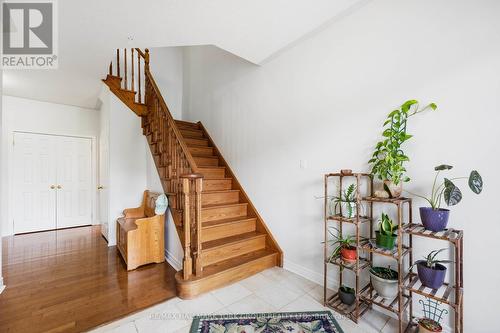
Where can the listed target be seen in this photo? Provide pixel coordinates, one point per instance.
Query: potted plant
(347, 295)
(427, 325)
(386, 235)
(435, 218)
(346, 202)
(430, 271)
(384, 281)
(388, 158)
(344, 246)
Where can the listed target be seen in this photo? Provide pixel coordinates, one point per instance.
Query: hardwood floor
(70, 281)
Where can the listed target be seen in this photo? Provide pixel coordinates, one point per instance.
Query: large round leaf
(475, 182)
(452, 194)
(443, 167)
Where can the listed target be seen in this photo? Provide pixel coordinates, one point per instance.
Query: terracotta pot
(427, 329)
(349, 254)
(395, 190)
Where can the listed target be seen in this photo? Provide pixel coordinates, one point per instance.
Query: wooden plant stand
(408, 282)
(450, 294)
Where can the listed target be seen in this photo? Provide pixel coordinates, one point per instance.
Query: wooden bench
(140, 233)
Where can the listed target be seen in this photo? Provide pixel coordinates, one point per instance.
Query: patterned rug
(291, 322)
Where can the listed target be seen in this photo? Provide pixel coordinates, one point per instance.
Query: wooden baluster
(111, 68)
(139, 76)
(118, 62)
(198, 262)
(125, 61)
(146, 60)
(188, 263)
(132, 64)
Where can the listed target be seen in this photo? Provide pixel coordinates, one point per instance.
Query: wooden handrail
(181, 179)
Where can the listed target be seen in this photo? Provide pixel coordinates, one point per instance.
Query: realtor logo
(29, 34)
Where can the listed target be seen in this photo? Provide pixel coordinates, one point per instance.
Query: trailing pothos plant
(388, 158)
(448, 191)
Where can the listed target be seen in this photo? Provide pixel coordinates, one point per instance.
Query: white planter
(384, 288)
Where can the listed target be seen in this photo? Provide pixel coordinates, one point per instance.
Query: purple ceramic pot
(434, 219)
(431, 277)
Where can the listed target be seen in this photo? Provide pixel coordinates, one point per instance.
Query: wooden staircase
(223, 236)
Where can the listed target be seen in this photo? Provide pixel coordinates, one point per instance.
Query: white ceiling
(90, 31)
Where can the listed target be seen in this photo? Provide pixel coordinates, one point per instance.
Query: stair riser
(189, 290)
(197, 142)
(217, 184)
(233, 250)
(192, 133)
(220, 198)
(212, 173)
(206, 161)
(205, 151)
(225, 230)
(218, 213)
(183, 125)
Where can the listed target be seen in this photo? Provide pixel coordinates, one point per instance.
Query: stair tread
(219, 191)
(188, 136)
(225, 205)
(215, 223)
(205, 156)
(216, 243)
(212, 167)
(234, 262)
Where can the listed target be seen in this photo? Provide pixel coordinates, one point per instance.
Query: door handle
(52, 187)
(100, 187)
(59, 187)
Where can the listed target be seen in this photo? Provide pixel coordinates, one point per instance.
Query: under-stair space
(224, 238)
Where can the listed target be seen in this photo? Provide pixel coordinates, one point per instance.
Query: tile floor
(273, 290)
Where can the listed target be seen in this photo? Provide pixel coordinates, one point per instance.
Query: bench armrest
(133, 212)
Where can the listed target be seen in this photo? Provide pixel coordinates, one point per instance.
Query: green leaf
(475, 182)
(443, 167)
(387, 122)
(407, 105)
(433, 106)
(387, 133)
(452, 194)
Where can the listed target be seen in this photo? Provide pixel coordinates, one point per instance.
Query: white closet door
(34, 174)
(74, 174)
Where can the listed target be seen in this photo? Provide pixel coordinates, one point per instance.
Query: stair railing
(181, 182)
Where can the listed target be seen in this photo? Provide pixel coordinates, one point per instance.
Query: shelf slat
(366, 245)
(444, 294)
(363, 263)
(387, 200)
(352, 220)
(450, 235)
(388, 304)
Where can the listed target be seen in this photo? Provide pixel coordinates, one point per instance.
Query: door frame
(10, 181)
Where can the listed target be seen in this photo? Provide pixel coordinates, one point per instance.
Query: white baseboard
(309, 274)
(173, 261)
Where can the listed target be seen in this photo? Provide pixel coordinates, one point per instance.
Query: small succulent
(384, 273)
(386, 227)
(347, 289)
(431, 261)
(339, 242)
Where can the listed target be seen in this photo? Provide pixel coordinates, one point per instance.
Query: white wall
(324, 101)
(27, 115)
(125, 145)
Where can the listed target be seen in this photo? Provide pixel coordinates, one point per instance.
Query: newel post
(188, 263)
(199, 254)
(146, 60)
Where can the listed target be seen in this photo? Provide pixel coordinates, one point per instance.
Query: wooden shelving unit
(355, 311)
(408, 282)
(450, 294)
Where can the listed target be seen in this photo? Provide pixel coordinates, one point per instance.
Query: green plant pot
(384, 241)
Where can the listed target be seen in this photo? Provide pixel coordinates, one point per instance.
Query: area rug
(288, 322)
